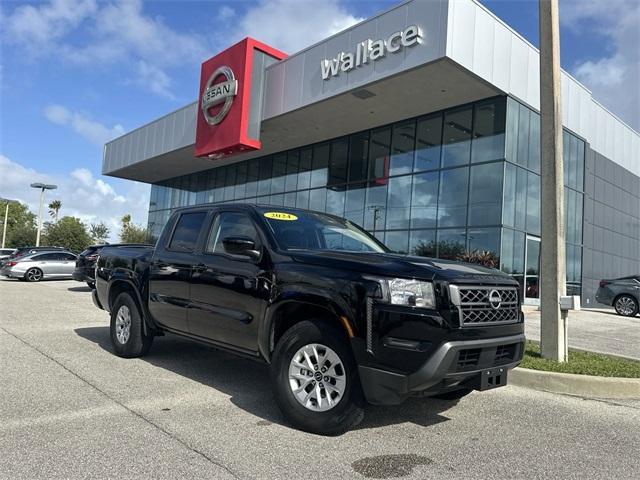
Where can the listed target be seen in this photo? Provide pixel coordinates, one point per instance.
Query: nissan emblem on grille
(495, 299)
(217, 93)
(482, 305)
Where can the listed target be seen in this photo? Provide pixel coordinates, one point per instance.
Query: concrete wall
(611, 232)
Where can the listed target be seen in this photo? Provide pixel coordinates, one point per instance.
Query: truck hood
(396, 265)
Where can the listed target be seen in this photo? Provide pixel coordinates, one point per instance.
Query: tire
(33, 275)
(128, 342)
(453, 395)
(626, 305)
(91, 285)
(346, 393)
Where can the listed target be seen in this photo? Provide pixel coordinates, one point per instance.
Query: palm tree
(54, 208)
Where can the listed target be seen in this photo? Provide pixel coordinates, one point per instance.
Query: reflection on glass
(424, 200)
(533, 204)
(241, 181)
(423, 243)
(302, 199)
(293, 163)
(402, 148)
(534, 142)
(338, 161)
(279, 172)
(318, 199)
(457, 137)
(488, 130)
(452, 243)
(354, 205)
(523, 136)
(398, 202)
(397, 241)
(428, 143)
(379, 151)
(320, 165)
(264, 185)
(304, 175)
(335, 202)
(253, 173)
(452, 197)
(375, 207)
(358, 155)
(484, 246)
(484, 194)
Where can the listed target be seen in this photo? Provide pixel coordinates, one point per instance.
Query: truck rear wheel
(315, 379)
(127, 333)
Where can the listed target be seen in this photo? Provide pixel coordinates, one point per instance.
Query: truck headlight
(404, 291)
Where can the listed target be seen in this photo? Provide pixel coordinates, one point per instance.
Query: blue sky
(76, 73)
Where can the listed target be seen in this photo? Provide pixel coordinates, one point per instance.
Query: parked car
(86, 262)
(621, 293)
(6, 253)
(23, 251)
(339, 318)
(40, 265)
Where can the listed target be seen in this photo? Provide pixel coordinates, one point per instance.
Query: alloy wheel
(123, 324)
(317, 377)
(34, 275)
(625, 306)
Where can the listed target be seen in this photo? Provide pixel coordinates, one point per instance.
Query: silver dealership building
(420, 124)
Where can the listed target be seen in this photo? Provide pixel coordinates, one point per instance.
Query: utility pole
(4, 229)
(552, 249)
(42, 187)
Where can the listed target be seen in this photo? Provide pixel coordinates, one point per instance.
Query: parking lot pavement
(598, 330)
(70, 408)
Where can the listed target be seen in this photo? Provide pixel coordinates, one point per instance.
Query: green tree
(132, 233)
(99, 232)
(68, 232)
(54, 208)
(21, 224)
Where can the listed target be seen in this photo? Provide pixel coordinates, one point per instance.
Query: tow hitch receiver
(494, 378)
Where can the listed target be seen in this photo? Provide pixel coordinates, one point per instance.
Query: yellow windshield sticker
(281, 216)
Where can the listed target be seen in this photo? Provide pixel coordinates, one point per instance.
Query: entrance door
(532, 272)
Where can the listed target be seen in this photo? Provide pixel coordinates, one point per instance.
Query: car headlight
(404, 291)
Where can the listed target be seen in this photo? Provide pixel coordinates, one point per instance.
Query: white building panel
(483, 51)
(463, 34)
(501, 56)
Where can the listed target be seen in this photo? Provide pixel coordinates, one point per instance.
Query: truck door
(170, 272)
(228, 291)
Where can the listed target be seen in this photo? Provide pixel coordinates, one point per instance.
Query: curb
(572, 384)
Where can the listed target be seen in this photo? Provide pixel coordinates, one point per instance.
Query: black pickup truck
(339, 318)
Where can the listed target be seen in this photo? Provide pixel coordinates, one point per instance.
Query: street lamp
(42, 187)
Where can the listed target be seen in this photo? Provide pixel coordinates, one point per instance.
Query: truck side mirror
(241, 246)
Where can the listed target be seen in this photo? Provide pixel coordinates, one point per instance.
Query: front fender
(335, 306)
(120, 277)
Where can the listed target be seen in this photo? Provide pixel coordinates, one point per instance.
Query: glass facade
(460, 182)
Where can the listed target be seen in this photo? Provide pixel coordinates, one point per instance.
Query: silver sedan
(40, 265)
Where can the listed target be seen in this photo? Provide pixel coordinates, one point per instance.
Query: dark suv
(339, 318)
(621, 293)
(86, 264)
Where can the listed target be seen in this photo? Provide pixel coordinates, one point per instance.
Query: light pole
(42, 187)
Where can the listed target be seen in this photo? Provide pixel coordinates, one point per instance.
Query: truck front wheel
(315, 379)
(127, 332)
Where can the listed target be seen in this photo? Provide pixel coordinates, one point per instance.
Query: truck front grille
(480, 305)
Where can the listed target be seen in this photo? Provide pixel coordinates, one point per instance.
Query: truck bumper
(476, 364)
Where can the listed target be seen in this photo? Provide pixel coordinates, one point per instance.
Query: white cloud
(82, 195)
(226, 13)
(91, 130)
(291, 25)
(154, 79)
(614, 79)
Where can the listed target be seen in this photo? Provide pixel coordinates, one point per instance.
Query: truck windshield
(301, 230)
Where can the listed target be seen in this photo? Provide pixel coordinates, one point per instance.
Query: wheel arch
(123, 285)
(626, 294)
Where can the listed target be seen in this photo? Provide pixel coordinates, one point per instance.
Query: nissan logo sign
(219, 93)
(495, 299)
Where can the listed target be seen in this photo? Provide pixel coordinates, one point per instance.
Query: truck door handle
(201, 267)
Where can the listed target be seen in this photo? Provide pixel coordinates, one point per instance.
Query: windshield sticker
(281, 216)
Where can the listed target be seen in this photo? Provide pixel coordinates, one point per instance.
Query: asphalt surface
(597, 330)
(69, 408)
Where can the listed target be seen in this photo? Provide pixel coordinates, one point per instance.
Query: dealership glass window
(403, 142)
(424, 200)
(398, 202)
(397, 241)
(452, 197)
(319, 174)
(485, 194)
(428, 142)
(304, 171)
(523, 135)
(521, 199)
(452, 242)
(253, 174)
(290, 199)
(456, 137)
(201, 189)
(358, 155)
(511, 140)
(379, 151)
(580, 166)
(279, 172)
(354, 205)
(264, 184)
(302, 199)
(230, 181)
(423, 243)
(335, 201)
(509, 195)
(485, 240)
(533, 204)
(339, 161)
(534, 142)
(318, 199)
(293, 165)
(375, 210)
(488, 130)
(241, 181)
(277, 200)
